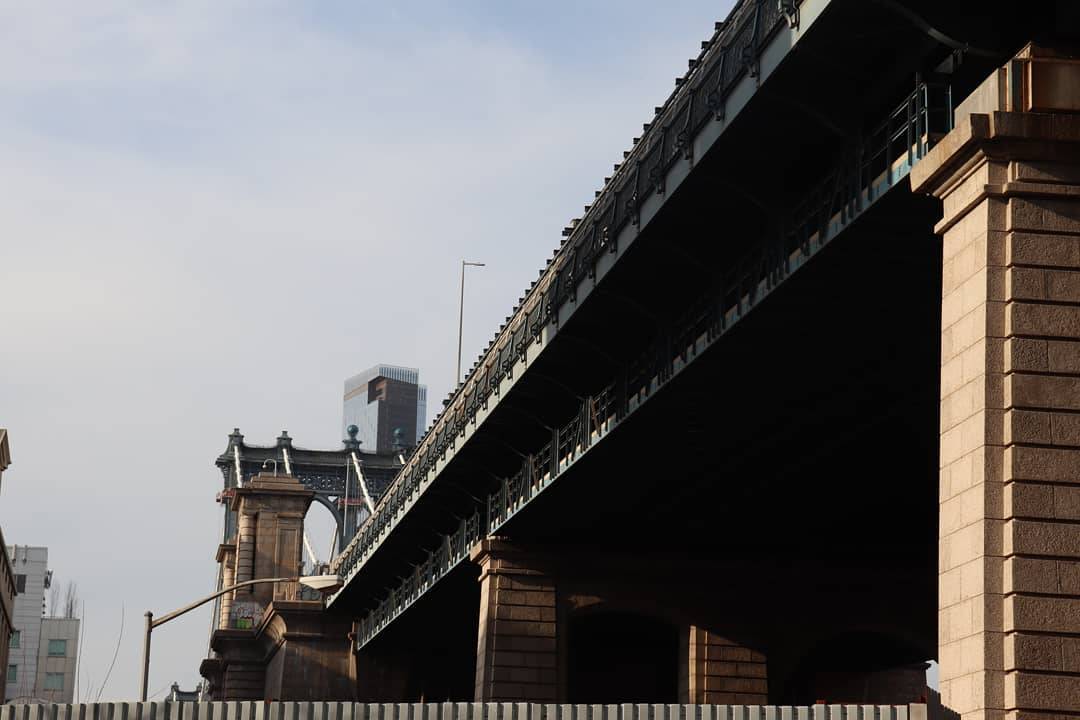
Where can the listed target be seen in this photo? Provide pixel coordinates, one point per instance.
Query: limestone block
(1042, 614)
(1042, 464)
(1043, 214)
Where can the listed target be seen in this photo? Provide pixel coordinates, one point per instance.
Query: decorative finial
(399, 439)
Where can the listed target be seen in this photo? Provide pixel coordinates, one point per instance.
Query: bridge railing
(864, 171)
(453, 549)
(699, 97)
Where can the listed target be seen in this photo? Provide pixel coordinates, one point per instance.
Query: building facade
(42, 651)
(57, 660)
(388, 405)
(7, 576)
(32, 579)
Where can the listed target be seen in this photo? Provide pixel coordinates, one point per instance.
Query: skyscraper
(389, 406)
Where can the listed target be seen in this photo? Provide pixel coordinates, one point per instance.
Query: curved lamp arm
(188, 608)
(324, 583)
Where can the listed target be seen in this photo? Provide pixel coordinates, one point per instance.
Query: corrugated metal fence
(449, 711)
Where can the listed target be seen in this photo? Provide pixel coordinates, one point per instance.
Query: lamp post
(461, 316)
(322, 583)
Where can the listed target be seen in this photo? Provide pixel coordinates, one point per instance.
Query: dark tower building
(388, 405)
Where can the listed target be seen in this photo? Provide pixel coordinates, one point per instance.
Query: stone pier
(1009, 560)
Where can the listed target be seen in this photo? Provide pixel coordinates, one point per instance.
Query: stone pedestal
(239, 670)
(1009, 563)
(517, 648)
(309, 653)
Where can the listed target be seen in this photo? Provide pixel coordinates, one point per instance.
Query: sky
(213, 211)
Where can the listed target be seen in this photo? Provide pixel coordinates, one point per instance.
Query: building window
(54, 681)
(20, 583)
(12, 673)
(16, 638)
(57, 648)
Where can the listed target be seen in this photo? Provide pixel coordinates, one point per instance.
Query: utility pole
(461, 317)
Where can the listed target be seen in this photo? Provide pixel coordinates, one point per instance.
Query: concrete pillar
(717, 671)
(516, 654)
(227, 558)
(1009, 543)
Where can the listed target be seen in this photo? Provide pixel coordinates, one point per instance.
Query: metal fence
(164, 710)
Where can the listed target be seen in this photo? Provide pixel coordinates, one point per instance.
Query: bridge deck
(720, 82)
(773, 146)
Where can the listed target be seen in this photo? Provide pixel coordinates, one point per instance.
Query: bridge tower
(274, 641)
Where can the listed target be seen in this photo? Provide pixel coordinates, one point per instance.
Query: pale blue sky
(213, 211)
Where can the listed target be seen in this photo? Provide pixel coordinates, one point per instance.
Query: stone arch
(618, 655)
(339, 525)
(859, 665)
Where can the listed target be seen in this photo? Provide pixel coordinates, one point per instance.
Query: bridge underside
(780, 493)
(783, 491)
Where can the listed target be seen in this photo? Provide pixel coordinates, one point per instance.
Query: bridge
(790, 409)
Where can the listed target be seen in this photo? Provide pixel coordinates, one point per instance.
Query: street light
(323, 583)
(461, 316)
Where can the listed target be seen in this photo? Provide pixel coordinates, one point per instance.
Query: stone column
(720, 672)
(227, 558)
(245, 546)
(516, 654)
(1009, 547)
